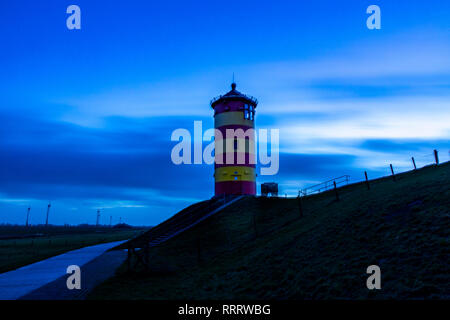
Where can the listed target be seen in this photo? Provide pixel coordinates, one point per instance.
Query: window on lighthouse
(249, 112)
(246, 112)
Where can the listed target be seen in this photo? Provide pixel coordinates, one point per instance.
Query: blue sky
(87, 114)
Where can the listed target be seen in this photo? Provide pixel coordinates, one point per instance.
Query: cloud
(415, 53)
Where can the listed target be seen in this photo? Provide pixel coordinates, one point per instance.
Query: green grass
(53, 240)
(260, 248)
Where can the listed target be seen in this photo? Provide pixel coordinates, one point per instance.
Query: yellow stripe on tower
(232, 118)
(234, 174)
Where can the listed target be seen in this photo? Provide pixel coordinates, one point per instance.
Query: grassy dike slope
(260, 248)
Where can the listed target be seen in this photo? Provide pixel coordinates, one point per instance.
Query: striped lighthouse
(234, 121)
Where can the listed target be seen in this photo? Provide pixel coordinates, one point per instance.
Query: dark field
(20, 245)
(262, 248)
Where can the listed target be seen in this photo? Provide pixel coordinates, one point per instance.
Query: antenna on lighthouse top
(233, 84)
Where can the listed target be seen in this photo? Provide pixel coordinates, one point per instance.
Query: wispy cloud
(371, 68)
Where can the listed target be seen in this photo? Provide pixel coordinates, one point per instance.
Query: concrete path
(26, 280)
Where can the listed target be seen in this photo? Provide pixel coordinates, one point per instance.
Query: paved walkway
(47, 279)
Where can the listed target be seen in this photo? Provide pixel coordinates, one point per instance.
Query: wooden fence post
(436, 157)
(367, 181)
(414, 163)
(392, 170)
(335, 191)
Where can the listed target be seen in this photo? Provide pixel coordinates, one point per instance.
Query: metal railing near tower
(434, 158)
(324, 186)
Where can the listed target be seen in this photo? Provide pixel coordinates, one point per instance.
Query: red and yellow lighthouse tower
(234, 166)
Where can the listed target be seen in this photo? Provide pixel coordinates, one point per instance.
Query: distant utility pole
(120, 220)
(98, 217)
(28, 215)
(48, 211)
(110, 221)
